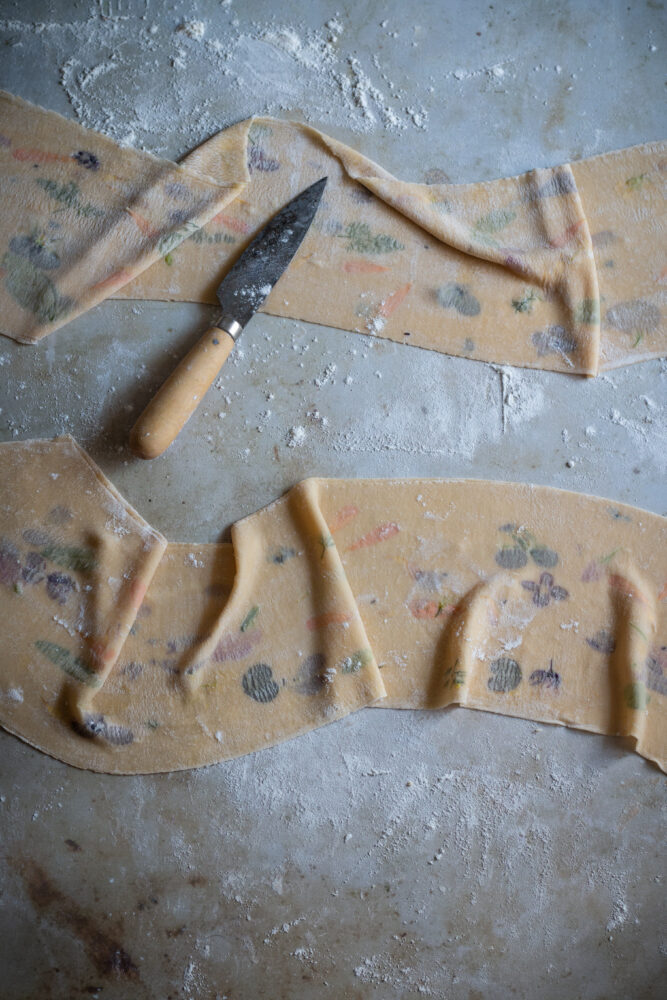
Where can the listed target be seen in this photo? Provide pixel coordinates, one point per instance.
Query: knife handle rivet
(215, 340)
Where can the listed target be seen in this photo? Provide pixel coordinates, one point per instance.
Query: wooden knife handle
(173, 405)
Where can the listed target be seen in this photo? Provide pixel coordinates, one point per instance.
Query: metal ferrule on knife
(230, 326)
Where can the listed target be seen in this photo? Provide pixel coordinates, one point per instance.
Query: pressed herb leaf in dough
(249, 619)
(545, 678)
(32, 289)
(313, 675)
(258, 683)
(505, 675)
(68, 662)
(360, 239)
(458, 297)
(82, 560)
(544, 590)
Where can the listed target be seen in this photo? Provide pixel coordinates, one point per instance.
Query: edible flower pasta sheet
(558, 268)
(125, 654)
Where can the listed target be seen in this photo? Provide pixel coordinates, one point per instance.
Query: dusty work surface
(391, 855)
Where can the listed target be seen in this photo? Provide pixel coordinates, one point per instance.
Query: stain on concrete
(104, 951)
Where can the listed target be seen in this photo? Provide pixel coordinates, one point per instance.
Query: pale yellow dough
(560, 268)
(121, 653)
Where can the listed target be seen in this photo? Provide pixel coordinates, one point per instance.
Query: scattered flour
(194, 30)
(522, 395)
(326, 376)
(376, 325)
(619, 915)
(296, 437)
(496, 72)
(112, 70)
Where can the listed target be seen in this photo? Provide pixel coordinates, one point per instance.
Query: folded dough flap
(516, 599)
(497, 629)
(531, 226)
(75, 563)
(126, 655)
(623, 196)
(82, 216)
(501, 271)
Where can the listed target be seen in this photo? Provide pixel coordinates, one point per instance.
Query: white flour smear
(113, 66)
(522, 395)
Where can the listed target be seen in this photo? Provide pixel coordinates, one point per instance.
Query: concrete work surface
(454, 854)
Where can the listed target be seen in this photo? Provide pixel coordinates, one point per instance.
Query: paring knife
(241, 292)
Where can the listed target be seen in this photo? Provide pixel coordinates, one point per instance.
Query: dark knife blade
(251, 279)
